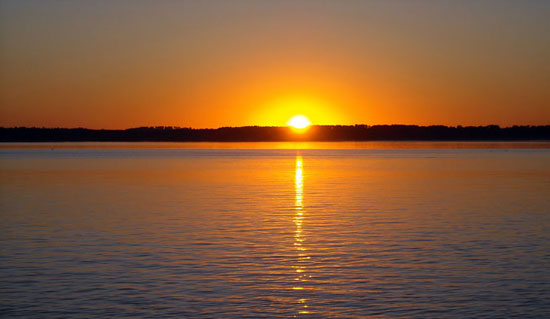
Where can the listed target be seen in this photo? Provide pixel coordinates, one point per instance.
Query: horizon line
(268, 126)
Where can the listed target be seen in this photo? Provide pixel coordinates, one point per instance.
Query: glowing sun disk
(299, 122)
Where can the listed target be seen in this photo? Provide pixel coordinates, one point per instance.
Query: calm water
(342, 230)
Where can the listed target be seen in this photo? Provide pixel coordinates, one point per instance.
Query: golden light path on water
(299, 238)
(258, 232)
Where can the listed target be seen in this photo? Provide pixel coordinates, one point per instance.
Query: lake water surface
(275, 230)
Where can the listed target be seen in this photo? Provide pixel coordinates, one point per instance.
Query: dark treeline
(258, 133)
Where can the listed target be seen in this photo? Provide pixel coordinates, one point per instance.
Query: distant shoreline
(317, 133)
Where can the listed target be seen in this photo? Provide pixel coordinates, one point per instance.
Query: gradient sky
(120, 64)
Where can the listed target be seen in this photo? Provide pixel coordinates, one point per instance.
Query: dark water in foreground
(404, 230)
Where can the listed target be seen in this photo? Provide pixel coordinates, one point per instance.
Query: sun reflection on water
(301, 276)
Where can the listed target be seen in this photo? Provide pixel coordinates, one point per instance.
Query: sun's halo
(299, 122)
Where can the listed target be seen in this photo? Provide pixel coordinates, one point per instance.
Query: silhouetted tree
(260, 133)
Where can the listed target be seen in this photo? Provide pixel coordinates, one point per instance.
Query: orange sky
(104, 64)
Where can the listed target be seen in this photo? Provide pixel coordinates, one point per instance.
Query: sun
(299, 122)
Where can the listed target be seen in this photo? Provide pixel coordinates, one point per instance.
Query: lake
(275, 230)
